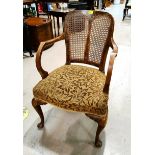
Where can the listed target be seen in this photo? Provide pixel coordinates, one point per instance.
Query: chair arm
(41, 48)
(110, 67)
(113, 46)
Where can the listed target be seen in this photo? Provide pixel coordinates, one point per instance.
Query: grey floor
(67, 133)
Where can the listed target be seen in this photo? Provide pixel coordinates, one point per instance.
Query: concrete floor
(67, 133)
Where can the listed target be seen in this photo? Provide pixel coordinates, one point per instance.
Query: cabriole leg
(36, 104)
(101, 121)
(101, 125)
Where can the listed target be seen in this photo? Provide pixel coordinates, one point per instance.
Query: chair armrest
(110, 67)
(40, 50)
(113, 46)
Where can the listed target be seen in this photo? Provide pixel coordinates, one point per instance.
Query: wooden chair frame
(101, 120)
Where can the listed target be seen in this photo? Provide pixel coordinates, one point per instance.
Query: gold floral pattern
(74, 87)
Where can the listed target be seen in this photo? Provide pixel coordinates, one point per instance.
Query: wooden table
(57, 13)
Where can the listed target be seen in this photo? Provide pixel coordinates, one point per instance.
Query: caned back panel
(88, 37)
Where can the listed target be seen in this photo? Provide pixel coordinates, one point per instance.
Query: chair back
(88, 37)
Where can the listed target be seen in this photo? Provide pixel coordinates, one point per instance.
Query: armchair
(78, 88)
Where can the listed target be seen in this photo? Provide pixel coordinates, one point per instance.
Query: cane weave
(87, 36)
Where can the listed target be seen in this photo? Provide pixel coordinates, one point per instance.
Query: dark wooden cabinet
(36, 30)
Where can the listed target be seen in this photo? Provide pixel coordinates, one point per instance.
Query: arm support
(110, 67)
(41, 48)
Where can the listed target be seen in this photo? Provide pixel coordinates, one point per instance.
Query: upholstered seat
(74, 87)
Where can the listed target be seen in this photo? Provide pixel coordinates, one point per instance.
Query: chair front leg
(36, 104)
(101, 125)
(101, 120)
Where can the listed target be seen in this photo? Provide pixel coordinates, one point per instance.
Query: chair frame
(101, 120)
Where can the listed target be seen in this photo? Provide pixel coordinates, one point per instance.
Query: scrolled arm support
(40, 50)
(110, 67)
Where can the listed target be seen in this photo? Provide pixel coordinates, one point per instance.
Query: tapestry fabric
(74, 87)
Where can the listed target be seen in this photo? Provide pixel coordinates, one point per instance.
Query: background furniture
(45, 3)
(56, 13)
(26, 41)
(127, 7)
(79, 5)
(37, 30)
(88, 36)
(82, 5)
(28, 10)
(58, 16)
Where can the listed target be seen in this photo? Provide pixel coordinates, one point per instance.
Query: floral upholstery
(74, 87)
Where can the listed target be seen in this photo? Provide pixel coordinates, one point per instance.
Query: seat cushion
(74, 87)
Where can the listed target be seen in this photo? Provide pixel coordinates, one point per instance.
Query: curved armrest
(110, 67)
(41, 48)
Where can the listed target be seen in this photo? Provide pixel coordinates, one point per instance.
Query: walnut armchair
(88, 36)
